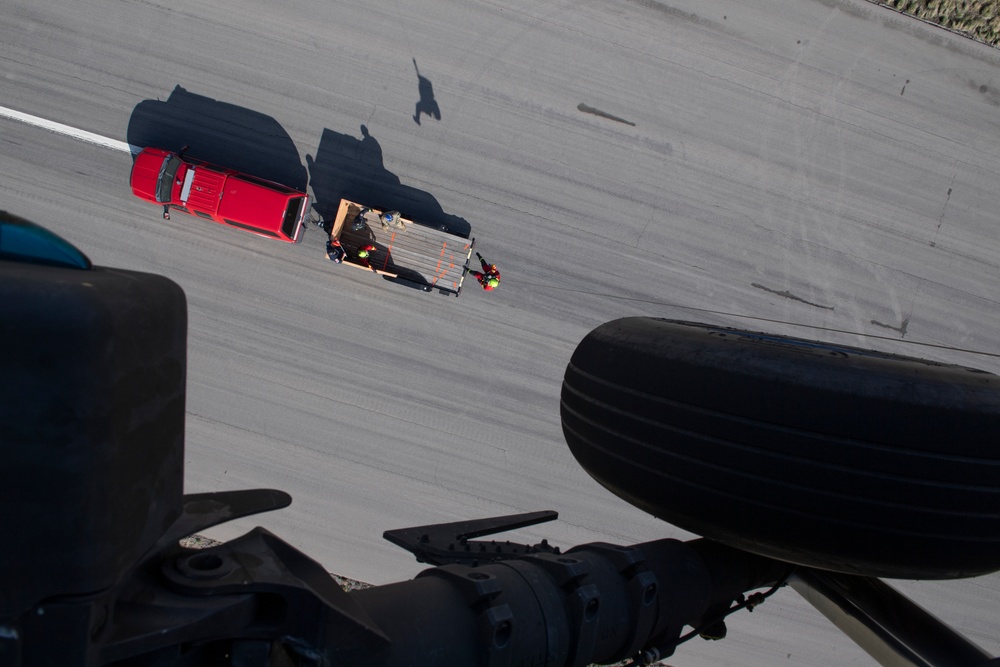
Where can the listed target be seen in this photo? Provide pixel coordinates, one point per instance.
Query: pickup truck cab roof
(226, 196)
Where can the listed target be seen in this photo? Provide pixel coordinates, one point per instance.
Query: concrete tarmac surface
(823, 169)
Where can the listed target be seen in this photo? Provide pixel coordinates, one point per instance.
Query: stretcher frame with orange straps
(427, 257)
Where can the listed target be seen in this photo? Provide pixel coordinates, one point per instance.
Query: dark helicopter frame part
(93, 442)
(890, 627)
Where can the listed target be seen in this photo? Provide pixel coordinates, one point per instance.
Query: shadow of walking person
(426, 104)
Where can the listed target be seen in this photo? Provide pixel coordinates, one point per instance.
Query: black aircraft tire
(822, 455)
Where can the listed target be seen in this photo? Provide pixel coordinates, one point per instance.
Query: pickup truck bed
(406, 250)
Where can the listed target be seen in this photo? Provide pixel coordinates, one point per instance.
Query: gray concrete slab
(823, 169)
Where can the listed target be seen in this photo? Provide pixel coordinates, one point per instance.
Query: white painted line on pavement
(59, 128)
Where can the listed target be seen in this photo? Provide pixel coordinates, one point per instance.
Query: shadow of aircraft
(221, 133)
(349, 168)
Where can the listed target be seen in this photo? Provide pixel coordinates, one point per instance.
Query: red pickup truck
(215, 193)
